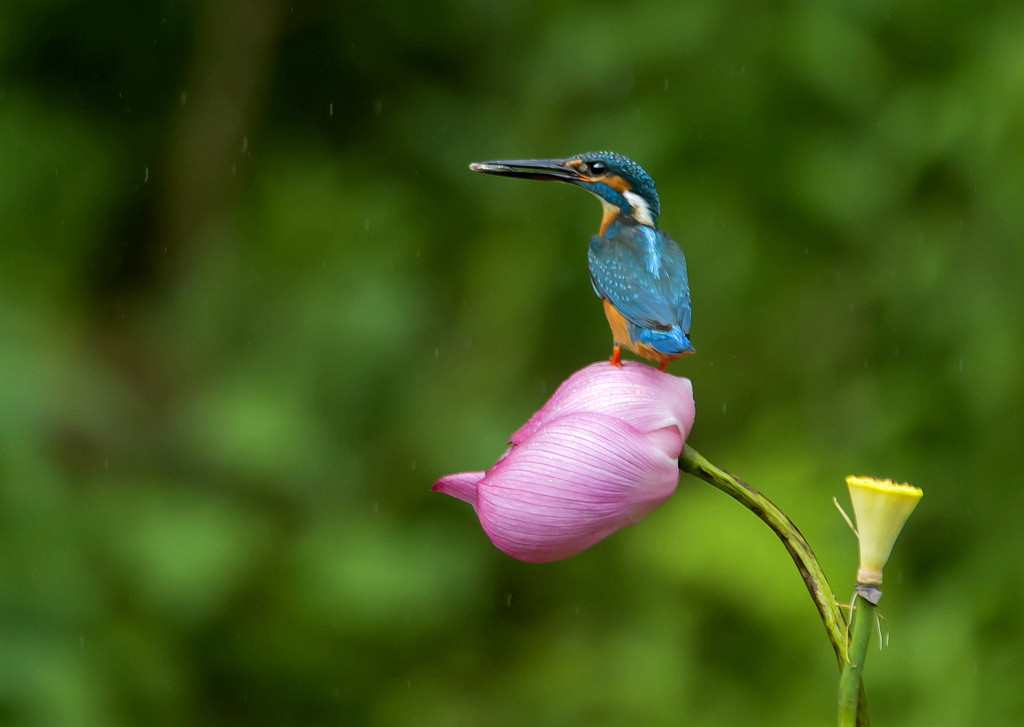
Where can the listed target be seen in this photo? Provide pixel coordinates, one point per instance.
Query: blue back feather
(642, 272)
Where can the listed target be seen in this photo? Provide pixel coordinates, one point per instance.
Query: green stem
(692, 462)
(851, 683)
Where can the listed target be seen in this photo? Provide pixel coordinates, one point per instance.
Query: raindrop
(366, 224)
(145, 178)
(723, 408)
(666, 83)
(437, 351)
(183, 99)
(412, 465)
(330, 109)
(245, 144)
(961, 365)
(378, 106)
(508, 601)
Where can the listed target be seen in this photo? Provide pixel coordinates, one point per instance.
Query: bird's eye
(597, 167)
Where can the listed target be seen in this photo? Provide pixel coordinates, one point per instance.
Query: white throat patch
(641, 212)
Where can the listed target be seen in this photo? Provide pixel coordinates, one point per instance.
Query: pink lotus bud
(599, 455)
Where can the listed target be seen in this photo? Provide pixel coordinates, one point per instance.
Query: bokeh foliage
(252, 304)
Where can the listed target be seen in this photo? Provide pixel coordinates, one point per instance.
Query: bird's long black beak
(555, 169)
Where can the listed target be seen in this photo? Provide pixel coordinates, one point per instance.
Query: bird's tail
(672, 342)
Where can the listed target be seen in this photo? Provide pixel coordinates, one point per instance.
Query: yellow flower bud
(881, 508)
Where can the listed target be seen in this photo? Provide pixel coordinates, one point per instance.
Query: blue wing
(642, 272)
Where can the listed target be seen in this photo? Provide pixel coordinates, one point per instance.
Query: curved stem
(850, 684)
(692, 462)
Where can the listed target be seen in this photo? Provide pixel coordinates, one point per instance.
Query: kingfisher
(638, 271)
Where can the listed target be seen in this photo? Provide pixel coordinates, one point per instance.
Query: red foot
(615, 359)
(663, 366)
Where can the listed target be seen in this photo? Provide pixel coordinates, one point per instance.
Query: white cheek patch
(641, 212)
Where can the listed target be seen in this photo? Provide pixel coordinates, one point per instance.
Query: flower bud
(599, 455)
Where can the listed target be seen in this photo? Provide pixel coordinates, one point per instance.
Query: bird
(637, 270)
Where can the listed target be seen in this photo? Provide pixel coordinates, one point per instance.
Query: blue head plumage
(622, 182)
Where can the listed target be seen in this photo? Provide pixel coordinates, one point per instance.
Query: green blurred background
(252, 304)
